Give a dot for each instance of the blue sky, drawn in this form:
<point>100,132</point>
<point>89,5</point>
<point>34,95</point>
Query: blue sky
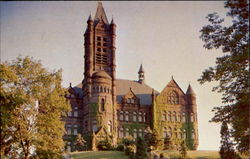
<point>162,35</point>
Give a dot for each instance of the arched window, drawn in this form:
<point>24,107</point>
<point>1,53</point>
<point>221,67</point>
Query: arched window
<point>104,89</point>
<point>179,117</point>
<point>140,117</point>
<point>126,116</point>
<point>184,117</point>
<point>134,116</point>
<point>179,134</point>
<point>169,116</point>
<point>174,117</point>
<point>144,117</point>
<point>140,132</point>
<point>135,133</point>
<point>184,134</point>
<point>173,98</point>
<point>121,115</point>
<point>127,132</point>
<point>110,126</point>
<point>121,135</point>
<point>164,116</point>
<point>191,117</point>
<point>102,104</point>
<point>169,131</point>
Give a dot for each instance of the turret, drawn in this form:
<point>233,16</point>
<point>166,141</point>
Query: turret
<point>191,98</point>
<point>141,75</point>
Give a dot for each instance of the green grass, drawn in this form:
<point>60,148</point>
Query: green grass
<point>98,155</point>
<point>201,154</point>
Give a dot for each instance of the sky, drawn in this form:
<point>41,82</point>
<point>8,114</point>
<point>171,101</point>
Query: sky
<point>161,35</point>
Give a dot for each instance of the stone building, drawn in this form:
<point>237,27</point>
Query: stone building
<point>104,107</point>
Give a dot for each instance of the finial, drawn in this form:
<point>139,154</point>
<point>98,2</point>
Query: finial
<point>70,84</point>
<point>172,77</point>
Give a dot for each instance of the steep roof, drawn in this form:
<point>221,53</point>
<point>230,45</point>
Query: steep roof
<point>173,83</point>
<point>141,69</point>
<point>190,90</point>
<point>141,90</point>
<point>100,14</point>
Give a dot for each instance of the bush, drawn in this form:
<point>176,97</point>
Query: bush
<point>120,147</point>
<point>104,145</point>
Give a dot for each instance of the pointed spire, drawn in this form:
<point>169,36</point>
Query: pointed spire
<point>190,90</point>
<point>141,70</point>
<point>112,21</point>
<point>90,18</point>
<point>100,14</point>
<point>141,74</point>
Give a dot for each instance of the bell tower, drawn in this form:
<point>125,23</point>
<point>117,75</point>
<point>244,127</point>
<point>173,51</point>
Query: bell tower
<point>99,75</point>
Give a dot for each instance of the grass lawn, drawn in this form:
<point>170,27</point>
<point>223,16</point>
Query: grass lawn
<point>98,155</point>
<point>201,154</point>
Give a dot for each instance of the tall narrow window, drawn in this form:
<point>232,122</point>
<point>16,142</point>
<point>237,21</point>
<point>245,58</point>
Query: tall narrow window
<point>103,104</point>
<point>164,116</point>
<point>165,132</point>
<point>169,116</point>
<point>184,134</point>
<point>140,117</point>
<point>121,134</point>
<point>121,115</point>
<point>135,133</point>
<point>94,125</point>
<point>134,116</point>
<point>126,116</point>
<point>110,126</point>
<point>184,117</point>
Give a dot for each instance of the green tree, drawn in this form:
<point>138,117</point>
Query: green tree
<point>226,149</point>
<point>31,110</point>
<point>183,150</point>
<point>80,143</point>
<point>140,149</point>
<point>153,139</point>
<point>232,69</point>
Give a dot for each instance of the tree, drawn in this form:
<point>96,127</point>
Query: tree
<point>141,150</point>
<point>32,104</point>
<point>80,143</point>
<point>226,149</point>
<point>183,150</point>
<point>167,142</point>
<point>231,70</point>
<point>152,139</point>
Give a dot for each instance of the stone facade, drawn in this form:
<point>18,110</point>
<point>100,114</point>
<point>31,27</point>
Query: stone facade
<point>106,107</point>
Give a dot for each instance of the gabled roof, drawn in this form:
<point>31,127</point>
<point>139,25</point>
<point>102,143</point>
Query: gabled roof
<point>173,83</point>
<point>100,14</point>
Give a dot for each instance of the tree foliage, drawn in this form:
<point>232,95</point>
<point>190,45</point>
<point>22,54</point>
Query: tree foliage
<point>141,150</point>
<point>32,104</point>
<point>232,69</point>
<point>226,149</point>
<point>153,139</point>
<point>80,143</point>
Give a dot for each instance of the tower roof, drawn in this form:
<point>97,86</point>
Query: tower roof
<point>190,90</point>
<point>141,69</point>
<point>100,14</point>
